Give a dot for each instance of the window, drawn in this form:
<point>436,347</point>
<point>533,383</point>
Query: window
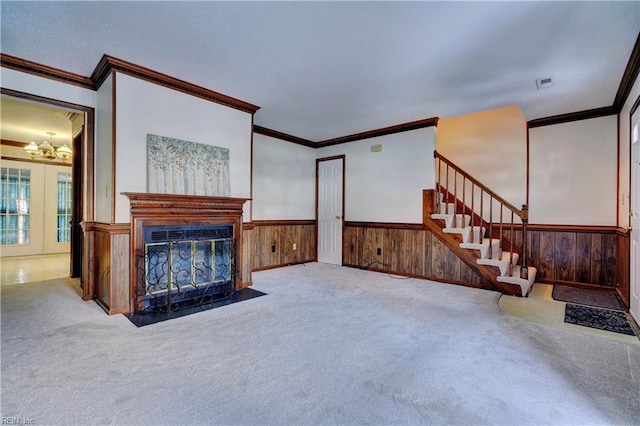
<point>15,202</point>
<point>64,207</point>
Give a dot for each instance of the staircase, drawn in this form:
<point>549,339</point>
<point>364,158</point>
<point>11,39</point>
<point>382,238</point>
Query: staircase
<point>463,212</point>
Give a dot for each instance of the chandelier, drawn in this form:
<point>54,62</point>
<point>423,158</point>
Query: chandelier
<point>47,151</point>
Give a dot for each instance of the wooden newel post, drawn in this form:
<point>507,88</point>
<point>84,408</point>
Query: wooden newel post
<point>429,201</point>
<point>524,270</point>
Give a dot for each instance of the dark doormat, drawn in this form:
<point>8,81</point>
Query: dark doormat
<point>598,298</point>
<point>142,319</point>
<point>602,319</point>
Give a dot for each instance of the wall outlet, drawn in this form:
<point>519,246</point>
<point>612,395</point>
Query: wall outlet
<point>273,248</point>
<point>294,246</point>
<point>379,251</point>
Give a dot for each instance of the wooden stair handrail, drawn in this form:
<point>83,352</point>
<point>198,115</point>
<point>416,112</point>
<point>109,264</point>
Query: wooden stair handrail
<point>484,187</point>
<point>523,213</point>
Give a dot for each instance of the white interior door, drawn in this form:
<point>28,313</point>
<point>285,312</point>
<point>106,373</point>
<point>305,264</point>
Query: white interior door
<point>634,293</point>
<point>330,210</point>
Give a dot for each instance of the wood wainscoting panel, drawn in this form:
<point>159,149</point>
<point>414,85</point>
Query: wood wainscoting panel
<point>308,243</point>
<point>624,267</point>
<point>108,265</point>
<point>597,275</point>
<point>574,255</point>
<point>393,249</point>
<point>102,260</point>
<point>437,259</point>
<point>609,256</point>
<point>247,254</point>
<point>450,265</point>
<point>565,255</point>
<point>273,242</point>
<point>546,254</point>
<point>583,257</point>
<point>120,281</point>
<point>414,262</point>
<point>406,249</point>
<point>352,246</point>
<point>577,255</point>
<point>427,253</point>
<point>371,242</point>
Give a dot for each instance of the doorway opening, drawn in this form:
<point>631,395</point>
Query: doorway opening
<point>44,200</point>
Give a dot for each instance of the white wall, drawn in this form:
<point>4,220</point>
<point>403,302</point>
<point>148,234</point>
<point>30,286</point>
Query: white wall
<point>34,85</point>
<point>104,153</point>
<point>387,186</point>
<point>625,152</point>
<point>143,108</point>
<point>283,180</point>
<point>492,147</point>
<point>47,88</point>
<point>573,173</point>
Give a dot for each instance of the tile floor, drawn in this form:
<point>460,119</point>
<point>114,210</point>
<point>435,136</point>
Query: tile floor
<point>541,308</point>
<point>24,269</point>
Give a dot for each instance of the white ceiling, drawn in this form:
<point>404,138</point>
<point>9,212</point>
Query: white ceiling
<point>26,122</point>
<point>326,69</point>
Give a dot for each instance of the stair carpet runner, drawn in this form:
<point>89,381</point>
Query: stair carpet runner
<point>455,223</point>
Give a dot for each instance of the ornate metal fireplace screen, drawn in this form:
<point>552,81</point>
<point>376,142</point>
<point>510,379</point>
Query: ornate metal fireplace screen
<point>185,266</point>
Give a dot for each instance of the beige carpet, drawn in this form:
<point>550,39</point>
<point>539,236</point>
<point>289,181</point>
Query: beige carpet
<point>327,345</point>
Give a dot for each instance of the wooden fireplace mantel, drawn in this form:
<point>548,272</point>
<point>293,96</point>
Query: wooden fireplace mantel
<point>143,203</point>
<point>151,209</point>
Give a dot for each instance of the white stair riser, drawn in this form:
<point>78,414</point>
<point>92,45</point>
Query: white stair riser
<point>484,248</point>
<point>490,252</point>
<point>502,262</point>
<point>525,284</point>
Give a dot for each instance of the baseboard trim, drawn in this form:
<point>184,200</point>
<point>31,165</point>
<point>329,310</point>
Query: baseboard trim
<point>388,225</point>
<point>283,222</point>
<point>420,277</point>
<point>577,284</point>
<point>282,265</point>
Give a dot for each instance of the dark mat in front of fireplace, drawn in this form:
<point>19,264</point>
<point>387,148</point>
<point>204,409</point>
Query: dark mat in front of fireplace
<point>147,318</point>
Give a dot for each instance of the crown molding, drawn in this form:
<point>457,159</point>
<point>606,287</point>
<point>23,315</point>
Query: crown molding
<point>109,64</point>
<point>624,89</point>
<point>413,125</point>
<point>282,136</point>
<point>629,77</point>
<point>573,116</point>
<point>30,67</point>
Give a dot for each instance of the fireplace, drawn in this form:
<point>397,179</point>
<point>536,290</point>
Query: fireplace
<point>185,250</point>
<point>185,266</point>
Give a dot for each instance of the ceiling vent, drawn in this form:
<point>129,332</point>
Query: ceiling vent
<point>545,83</point>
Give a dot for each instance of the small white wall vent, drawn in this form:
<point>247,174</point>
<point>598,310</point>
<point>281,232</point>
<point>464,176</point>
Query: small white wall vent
<point>545,83</point>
